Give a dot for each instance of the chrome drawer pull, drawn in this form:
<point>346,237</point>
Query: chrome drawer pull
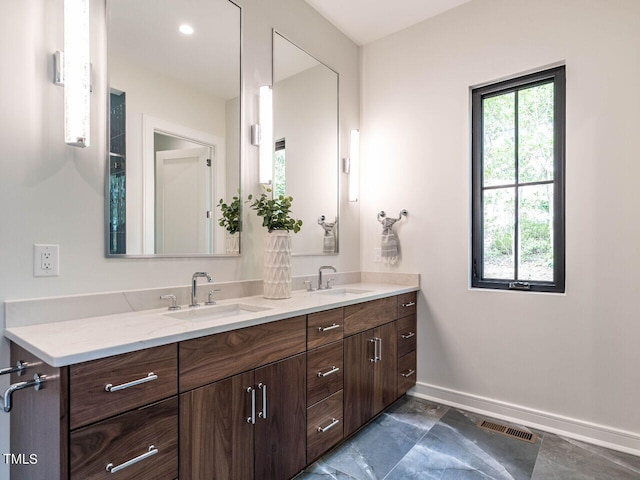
<point>331,327</point>
<point>111,388</point>
<point>408,373</point>
<point>252,418</point>
<point>334,369</point>
<point>409,335</point>
<point>410,304</point>
<point>113,469</point>
<point>334,422</point>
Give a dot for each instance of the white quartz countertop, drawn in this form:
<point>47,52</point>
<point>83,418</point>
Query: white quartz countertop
<point>73,341</point>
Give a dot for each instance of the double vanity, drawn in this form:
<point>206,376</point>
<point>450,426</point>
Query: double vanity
<point>247,388</point>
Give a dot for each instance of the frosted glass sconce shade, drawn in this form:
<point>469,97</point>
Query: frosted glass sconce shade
<point>76,73</point>
<point>354,166</point>
<point>265,137</point>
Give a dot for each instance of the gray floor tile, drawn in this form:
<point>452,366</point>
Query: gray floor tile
<point>456,449</point>
<point>417,439</point>
<point>566,459</point>
<point>377,448</point>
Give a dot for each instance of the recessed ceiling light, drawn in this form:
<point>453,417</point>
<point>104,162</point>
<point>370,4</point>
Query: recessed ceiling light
<point>186,29</point>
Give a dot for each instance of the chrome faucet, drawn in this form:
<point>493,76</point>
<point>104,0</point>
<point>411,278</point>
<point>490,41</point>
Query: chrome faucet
<point>194,301</point>
<point>324,267</point>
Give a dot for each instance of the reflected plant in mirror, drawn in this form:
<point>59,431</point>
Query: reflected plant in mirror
<point>305,167</point>
<point>174,126</point>
<point>230,221</point>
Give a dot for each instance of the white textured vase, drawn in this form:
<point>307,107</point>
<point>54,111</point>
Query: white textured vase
<point>232,243</point>
<point>277,265</point>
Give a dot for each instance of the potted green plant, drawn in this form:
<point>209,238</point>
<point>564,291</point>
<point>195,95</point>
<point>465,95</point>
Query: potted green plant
<point>276,218</point>
<point>230,221</point>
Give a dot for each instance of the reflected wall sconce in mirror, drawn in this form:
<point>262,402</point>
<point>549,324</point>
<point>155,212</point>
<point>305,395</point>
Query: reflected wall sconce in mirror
<point>262,135</point>
<point>351,166</point>
<point>73,72</point>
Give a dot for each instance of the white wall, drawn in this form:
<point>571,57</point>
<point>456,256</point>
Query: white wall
<point>545,358</point>
<point>51,193</point>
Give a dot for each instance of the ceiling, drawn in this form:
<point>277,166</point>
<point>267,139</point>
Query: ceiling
<point>145,33</point>
<point>365,21</point>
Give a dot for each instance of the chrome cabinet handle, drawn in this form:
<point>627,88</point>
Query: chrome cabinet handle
<point>331,327</point>
<point>409,335</point>
<point>252,418</point>
<point>410,304</point>
<point>408,373</point>
<point>263,413</point>
<point>114,388</point>
<point>111,468</point>
<point>334,422</point>
<point>375,350</point>
<point>334,369</point>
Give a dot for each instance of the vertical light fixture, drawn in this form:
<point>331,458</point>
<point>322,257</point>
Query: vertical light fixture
<point>353,168</point>
<point>76,73</point>
<point>265,140</point>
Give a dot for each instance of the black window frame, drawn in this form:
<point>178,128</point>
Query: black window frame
<point>558,76</point>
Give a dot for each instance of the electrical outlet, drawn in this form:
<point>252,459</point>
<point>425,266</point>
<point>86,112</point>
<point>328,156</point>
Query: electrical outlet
<point>377,255</point>
<point>46,260</point>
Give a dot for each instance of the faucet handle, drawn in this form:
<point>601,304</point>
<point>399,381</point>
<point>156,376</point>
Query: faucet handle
<point>330,283</point>
<point>174,302</point>
<point>308,284</point>
<point>210,300</point>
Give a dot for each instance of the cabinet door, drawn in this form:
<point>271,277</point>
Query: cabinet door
<point>216,440</point>
<point>385,369</point>
<point>281,426</point>
<point>358,380</point>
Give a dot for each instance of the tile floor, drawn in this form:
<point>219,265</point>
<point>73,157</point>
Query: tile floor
<point>418,439</point>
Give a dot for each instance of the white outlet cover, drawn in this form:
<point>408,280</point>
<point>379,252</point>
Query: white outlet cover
<point>46,260</point>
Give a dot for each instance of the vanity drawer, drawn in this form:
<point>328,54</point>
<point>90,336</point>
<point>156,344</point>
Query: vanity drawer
<point>324,426</point>
<point>324,372</point>
<point>363,316</point>
<point>406,335</point>
<point>90,400</point>
<point>324,327</point>
<point>406,372</point>
<point>407,304</point>
<point>208,359</point>
<point>128,436</point>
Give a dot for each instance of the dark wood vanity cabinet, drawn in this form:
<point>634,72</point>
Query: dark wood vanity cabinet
<point>251,425</point>
<point>260,402</point>
<point>370,374</point>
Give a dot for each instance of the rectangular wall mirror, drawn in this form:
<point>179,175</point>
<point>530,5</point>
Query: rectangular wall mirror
<point>305,129</point>
<point>174,127</point>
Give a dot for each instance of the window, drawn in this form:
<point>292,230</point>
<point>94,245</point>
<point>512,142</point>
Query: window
<point>518,183</point>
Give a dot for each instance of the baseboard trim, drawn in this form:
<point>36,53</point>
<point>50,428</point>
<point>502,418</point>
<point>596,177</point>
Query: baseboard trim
<point>613,438</point>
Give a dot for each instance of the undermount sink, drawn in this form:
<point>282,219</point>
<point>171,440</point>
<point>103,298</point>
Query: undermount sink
<point>216,311</point>
<point>343,291</point>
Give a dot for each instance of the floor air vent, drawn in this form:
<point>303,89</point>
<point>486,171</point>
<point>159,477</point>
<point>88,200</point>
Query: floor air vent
<point>508,431</point>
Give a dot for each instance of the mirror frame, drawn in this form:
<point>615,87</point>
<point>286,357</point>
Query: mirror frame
<point>242,139</point>
<point>338,161</point>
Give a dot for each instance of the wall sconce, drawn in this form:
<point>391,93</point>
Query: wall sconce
<point>73,71</point>
<point>351,166</point>
<point>262,135</point>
